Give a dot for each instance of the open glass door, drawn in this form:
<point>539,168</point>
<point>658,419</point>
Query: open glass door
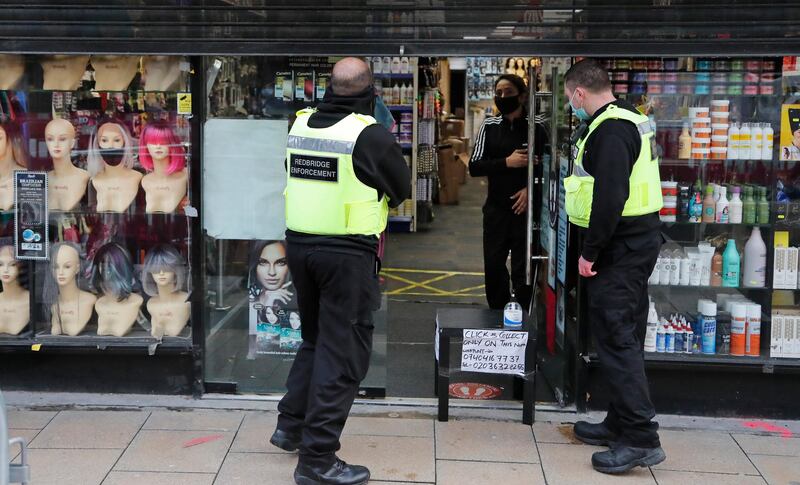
<point>548,229</point>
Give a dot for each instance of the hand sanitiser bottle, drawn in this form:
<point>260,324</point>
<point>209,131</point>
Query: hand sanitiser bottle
<point>512,315</point>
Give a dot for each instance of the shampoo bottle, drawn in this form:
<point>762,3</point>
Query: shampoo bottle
<point>730,265</point>
<point>762,206</point>
<point>738,328</point>
<point>709,340</point>
<point>652,329</point>
<point>733,142</point>
<point>716,269</point>
<point>661,336</point>
<point>685,143</point>
<point>709,205</point>
<point>757,143</point>
<point>748,206</point>
<point>735,207</point>
<point>754,272</point>
<point>766,149</point>
<point>722,215</point>
<point>752,345</point>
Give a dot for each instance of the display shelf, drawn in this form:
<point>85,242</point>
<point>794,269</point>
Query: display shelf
<point>703,287</point>
<point>397,75</point>
<point>682,161</point>
<point>400,107</point>
<point>762,363</point>
<point>714,224</point>
<point>406,146</point>
<point>400,218</point>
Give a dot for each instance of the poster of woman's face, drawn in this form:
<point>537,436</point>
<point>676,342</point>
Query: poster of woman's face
<point>790,132</point>
<point>274,318</point>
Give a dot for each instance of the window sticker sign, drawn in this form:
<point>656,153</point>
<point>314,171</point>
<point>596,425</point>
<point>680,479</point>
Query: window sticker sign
<point>494,351</point>
<point>31,229</point>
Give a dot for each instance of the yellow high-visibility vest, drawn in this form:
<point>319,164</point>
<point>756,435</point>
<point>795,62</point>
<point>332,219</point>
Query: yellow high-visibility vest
<point>323,194</point>
<point>645,181</point>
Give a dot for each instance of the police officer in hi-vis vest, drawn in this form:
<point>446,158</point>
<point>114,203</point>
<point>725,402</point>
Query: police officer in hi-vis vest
<point>344,171</point>
<point>614,194</point>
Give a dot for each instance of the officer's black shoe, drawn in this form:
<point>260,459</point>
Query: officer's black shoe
<point>594,433</point>
<point>285,441</point>
<point>620,458</point>
<point>340,473</point>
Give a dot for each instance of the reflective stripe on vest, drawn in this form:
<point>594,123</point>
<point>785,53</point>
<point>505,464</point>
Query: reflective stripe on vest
<point>645,181</point>
<point>323,194</point>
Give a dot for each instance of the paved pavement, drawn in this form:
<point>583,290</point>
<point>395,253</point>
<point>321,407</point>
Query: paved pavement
<point>194,444</point>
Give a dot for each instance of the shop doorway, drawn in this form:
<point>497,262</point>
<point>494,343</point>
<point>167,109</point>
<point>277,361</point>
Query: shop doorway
<point>439,263</point>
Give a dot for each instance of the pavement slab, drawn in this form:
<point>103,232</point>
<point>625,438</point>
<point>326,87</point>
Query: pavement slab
<point>778,470</point>
<point>198,419</point>
<point>483,440</point>
<point>25,419</point>
<point>90,429</point>
<point>166,451</point>
<point>720,453</point>
<point>572,465</point>
<point>157,478</point>
<point>392,458</point>
<point>669,477</point>
<point>453,472</point>
<point>70,466</point>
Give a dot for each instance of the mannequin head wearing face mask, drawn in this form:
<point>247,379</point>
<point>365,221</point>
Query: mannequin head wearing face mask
<point>110,145</point>
<point>587,88</point>
<point>510,95</point>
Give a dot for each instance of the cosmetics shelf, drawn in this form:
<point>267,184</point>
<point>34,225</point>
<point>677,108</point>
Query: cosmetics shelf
<point>766,364</point>
<point>693,95</point>
<point>691,287</point>
<point>684,161</point>
<point>148,345</point>
<point>396,75</point>
<point>711,224</point>
<point>400,107</point>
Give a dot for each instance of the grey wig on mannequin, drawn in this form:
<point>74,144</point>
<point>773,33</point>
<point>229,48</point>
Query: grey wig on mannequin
<point>163,257</point>
<point>50,290</point>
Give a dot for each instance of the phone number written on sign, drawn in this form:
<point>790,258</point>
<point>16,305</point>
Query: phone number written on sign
<point>494,351</point>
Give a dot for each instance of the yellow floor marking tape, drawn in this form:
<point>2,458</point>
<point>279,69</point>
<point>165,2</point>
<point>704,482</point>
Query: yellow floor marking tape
<point>411,285</point>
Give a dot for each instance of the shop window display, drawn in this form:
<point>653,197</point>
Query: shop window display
<point>107,132</point>
<point>718,291</point>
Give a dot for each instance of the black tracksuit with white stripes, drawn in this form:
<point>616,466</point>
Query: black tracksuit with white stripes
<point>503,231</point>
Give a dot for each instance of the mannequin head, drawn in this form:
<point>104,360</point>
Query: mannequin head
<point>11,144</point>
<point>269,268</point>
<point>114,71</point>
<point>110,145</point>
<point>159,142</point>
<point>164,268</point>
<point>10,268</point>
<point>64,271</point>
<point>12,67</point>
<point>63,72</point>
<point>112,271</point>
<point>59,135</point>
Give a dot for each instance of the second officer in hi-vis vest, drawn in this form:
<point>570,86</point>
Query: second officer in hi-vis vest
<point>344,171</point>
<point>614,194</point>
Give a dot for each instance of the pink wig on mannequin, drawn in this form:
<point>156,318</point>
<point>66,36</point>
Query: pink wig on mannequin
<point>160,133</point>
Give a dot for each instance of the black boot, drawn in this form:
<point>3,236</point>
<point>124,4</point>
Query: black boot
<point>594,434</point>
<point>621,458</point>
<point>339,473</point>
<point>285,441</point>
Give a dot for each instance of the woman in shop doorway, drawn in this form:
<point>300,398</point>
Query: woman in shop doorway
<point>501,155</point>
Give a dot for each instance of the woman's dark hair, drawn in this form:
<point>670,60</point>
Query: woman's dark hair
<point>255,256</point>
<point>517,81</point>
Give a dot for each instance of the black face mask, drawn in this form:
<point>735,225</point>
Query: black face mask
<point>507,104</point>
<point>112,156</point>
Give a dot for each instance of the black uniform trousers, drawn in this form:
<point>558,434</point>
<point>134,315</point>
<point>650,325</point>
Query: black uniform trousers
<point>618,307</point>
<point>337,291</point>
<point>504,231</point>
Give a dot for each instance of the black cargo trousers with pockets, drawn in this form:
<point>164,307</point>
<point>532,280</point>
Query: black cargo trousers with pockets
<point>618,307</point>
<point>337,291</point>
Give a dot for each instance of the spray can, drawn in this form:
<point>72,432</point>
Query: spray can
<point>752,345</point>
<point>669,340</point>
<point>689,337</point>
<point>661,336</point>
<point>679,335</point>
<point>709,327</point>
<point>738,328</point>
